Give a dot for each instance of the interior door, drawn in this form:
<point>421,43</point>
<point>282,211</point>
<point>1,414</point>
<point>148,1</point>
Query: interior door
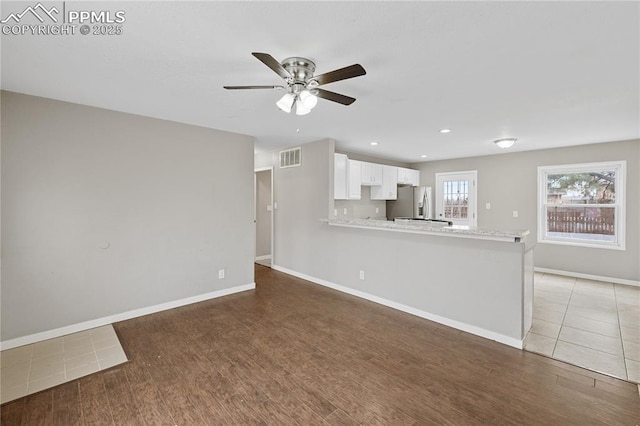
<point>456,195</point>
<point>263,218</point>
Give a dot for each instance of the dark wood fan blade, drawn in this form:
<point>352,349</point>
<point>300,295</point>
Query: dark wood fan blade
<point>272,63</point>
<point>341,74</point>
<point>335,97</point>
<point>252,87</point>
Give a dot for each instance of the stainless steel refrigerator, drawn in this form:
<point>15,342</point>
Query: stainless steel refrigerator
<point>413,202</point>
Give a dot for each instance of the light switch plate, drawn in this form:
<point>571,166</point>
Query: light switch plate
<point>487,206</point>
<point>515,213</point>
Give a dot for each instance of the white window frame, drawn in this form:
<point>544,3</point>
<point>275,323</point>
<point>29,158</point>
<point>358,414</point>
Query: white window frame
<point>619,205</point>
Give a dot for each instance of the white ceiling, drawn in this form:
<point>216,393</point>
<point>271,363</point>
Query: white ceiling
<point>549,73</point>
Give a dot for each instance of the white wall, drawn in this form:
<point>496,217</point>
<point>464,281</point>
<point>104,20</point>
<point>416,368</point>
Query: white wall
<point>509,182</point>
<point>105,212</point>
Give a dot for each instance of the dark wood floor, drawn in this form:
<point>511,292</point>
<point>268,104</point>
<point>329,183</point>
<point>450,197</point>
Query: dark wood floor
<point>291,352</point>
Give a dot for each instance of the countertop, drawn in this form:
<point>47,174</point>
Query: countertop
<point>506,235</point>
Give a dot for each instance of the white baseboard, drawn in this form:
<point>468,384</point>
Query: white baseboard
<point>588,276</point>
<point>263,257</point>
<point>487,334</point>
<point>87,325</point>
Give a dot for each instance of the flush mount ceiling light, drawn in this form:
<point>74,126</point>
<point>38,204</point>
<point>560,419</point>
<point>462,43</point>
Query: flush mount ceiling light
<point>373,143</point>
<point>445,130</point>
<point>423,156</point>
<point>505,143</point>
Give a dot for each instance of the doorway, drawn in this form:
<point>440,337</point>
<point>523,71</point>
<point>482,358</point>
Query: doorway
<point>263,216</point>
<point>456,195</point>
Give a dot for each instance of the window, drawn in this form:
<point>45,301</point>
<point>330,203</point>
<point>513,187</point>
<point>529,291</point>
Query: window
<point>456,197</point>
<point>582,204</point>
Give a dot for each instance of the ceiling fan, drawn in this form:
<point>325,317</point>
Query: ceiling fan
<point>302,86</point>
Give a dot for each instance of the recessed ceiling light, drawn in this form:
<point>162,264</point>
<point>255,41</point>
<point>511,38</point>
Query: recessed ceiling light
<point>506,142</point>
<point>423,156</point>
<point>445,130</point>
<point>373,143</point>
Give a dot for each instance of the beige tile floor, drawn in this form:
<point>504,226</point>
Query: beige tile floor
<point>31,368</point>
<point>591,324</point>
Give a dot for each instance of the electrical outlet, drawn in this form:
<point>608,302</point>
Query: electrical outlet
<point>344,211</point>
<point>335,212</point>
<point>377,210</point>
<point>220,274</point>
<point>362,275</point>
<point>515,213</point>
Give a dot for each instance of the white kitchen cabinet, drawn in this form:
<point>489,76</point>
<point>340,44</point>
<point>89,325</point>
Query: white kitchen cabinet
<point>354,190</point>
<point>346,178</point>
<point>340,177</point>
<point>414,177</point>
<point>389,188</point>
<point>371,174</point>
<point>408,177</point>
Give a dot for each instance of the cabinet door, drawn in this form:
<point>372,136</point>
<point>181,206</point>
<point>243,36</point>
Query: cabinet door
<point>340,177</point>
<point>376,174</point>
<point>355,171</point>
<point>389,188</point>
<point>402,175</point>
<point>414,177</point>
<point>371,174</point>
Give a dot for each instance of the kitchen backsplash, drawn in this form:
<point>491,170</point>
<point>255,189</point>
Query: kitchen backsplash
<point>361,209</point>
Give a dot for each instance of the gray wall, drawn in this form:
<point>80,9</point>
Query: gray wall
<point>263,215</point>
<point>403,268</point>
<point>304,197</point>
<point>509,182</point>
<point>105,212</point>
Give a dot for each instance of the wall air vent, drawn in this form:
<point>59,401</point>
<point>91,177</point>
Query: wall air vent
<point>290,158</point>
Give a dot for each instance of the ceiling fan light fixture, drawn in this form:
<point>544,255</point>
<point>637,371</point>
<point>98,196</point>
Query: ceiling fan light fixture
<point>308,99</point>
<point>301,109</point>
<point>286,102</point>
<point>505,143</point>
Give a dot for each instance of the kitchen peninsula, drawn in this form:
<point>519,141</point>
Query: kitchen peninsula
<point>473,279</point>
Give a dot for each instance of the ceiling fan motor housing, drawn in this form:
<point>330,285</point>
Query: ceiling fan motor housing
<point>301,69</point>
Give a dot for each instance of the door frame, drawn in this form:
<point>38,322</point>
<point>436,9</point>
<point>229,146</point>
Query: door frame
<point>473,191</point>
<point>255,211</point>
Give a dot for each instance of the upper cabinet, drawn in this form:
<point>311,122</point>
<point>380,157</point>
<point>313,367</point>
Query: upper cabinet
<point>340,162</point>
<point>351,175</point>
<point>389,188</point>
<point>346,178</point>
<point>371,174</point>
<point>354,186</point>
<point>408,177</point>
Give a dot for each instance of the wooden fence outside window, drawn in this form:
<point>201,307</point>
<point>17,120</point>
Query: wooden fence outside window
<point>581,220</point>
